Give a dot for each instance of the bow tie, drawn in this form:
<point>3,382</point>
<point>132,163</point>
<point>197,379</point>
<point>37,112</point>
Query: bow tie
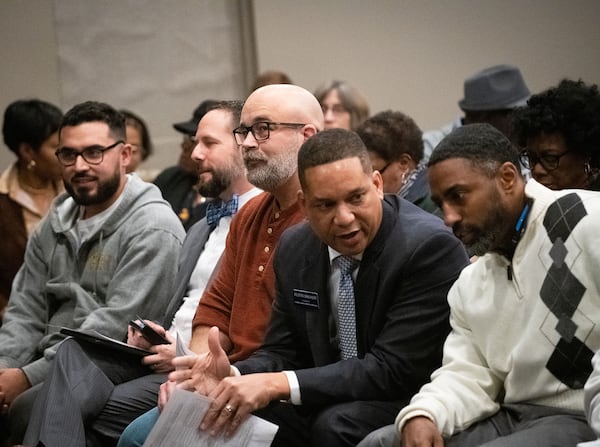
<point>217,209</point>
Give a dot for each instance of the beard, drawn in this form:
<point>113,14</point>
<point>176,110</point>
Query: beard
<point>105,190</point>
<point>274,171</point>
<point>220,178</point>
<point>490,235</point>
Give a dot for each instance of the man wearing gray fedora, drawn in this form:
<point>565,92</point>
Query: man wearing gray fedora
<point>490,96</point>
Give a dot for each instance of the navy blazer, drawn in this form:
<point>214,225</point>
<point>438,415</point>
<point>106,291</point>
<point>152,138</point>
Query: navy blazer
<point>402,315</point>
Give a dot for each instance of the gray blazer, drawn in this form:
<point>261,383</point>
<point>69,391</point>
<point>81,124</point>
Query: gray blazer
<point>193,245</point>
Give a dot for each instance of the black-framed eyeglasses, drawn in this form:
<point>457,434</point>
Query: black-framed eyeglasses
<point>382,170</point>
<point>92,154</point>
<point>548,162</point>
<point>260,130</point>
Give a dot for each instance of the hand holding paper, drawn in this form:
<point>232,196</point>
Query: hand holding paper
<point>236,397</point>
<point>177,425</point>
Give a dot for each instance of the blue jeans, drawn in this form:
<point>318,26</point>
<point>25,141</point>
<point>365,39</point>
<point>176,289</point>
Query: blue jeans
<point>136,433</point>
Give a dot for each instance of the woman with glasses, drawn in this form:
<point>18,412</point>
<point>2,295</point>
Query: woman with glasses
<point>344,107</point>
<point>29,185</point>
<point>560,132</point>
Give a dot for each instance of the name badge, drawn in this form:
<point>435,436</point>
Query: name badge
<point>306,298</point>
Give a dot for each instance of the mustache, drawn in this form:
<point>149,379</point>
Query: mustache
<point>202,170</point>
<point>254,156</point>
<point>82,175</point>
<point>460,229</point>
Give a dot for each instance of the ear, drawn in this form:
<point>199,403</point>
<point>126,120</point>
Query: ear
<point>302,202</point>
<point>26,152</point>
<point>308,131</point>
<point>126,152</point>
<point>405,161</point>
<point>378,183</point>
<point>509,176</point>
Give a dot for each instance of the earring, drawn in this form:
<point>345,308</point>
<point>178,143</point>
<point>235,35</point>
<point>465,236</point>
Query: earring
<point>587,169</point>
<point>403,180</point>
<point>31,165</point>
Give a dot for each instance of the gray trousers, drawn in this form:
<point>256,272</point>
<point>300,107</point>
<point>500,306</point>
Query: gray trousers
<point>89,397</point>
<point>516,425</point>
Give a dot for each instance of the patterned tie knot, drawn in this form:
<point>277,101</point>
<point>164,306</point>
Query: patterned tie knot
<point>347,264</point>
<point>217,209</point>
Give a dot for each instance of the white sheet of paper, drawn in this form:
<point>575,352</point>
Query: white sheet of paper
<point>178,425</point>
<point>595,443</point>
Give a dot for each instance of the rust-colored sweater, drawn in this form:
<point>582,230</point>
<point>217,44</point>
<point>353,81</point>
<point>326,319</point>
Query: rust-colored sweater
<point>238,299</point>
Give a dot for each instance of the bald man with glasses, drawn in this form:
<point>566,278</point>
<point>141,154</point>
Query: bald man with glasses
<point>275,121</point>
<point>107,250</point>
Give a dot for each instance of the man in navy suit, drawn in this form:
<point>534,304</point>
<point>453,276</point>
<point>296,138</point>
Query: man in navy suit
<point>303,378</point>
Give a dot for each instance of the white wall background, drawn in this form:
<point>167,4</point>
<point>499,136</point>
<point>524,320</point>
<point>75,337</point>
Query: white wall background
<point>161,58</point>
<point>413,55</point>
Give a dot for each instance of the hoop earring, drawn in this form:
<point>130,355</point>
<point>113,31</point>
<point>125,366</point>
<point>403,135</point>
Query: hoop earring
<point>31,165</point>
<point>587,169</point>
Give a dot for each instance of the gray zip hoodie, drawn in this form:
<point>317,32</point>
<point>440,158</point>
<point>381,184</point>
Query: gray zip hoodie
<point>127,267</point>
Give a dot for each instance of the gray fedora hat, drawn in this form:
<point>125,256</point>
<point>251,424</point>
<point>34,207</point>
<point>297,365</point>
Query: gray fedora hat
<point>495,88</point>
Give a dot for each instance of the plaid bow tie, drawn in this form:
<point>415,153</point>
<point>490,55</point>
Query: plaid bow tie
<point>217,209</point>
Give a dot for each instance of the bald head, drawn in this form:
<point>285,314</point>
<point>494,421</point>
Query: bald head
<point>276,119</point>
<point>283,103</point>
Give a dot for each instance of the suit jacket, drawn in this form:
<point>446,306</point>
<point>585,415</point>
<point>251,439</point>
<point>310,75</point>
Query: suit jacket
<point>191,249</point>
<point>401,310</point>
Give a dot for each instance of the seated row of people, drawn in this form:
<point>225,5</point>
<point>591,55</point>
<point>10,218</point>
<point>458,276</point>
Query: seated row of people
<point>560,120</point>
<point>345,217</point>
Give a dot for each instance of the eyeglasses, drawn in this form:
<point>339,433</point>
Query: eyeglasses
<point>548,162</point>
<point>260,131</point>
<point>382,170</point>
<point>91,154</point>
<point>336,109</point>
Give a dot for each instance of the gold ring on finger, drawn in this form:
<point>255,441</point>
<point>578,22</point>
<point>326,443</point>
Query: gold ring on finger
<point>228,409</point>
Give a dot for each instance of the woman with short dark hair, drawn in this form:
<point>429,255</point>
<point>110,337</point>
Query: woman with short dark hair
<point>29,185</point>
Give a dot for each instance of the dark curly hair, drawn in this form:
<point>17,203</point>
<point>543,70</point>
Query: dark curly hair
<point>481,143</point>
<point>390,134</point>
<point>571,109</point>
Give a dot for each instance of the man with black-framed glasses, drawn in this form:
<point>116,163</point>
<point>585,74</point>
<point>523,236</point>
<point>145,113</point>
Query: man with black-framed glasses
<point>275,121</point>
<point>107,250</point>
